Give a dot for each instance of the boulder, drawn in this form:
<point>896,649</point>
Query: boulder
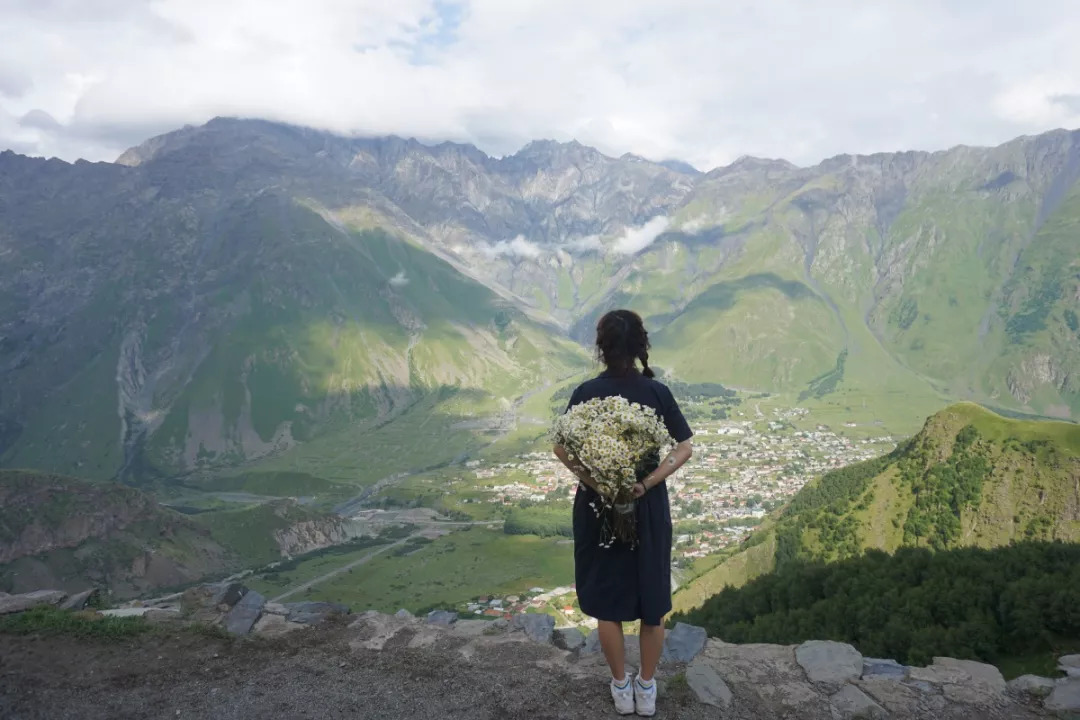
<point>245,613</point>
<point>592,643</point>
<point>850,703</point>
<point>1031,685</point>
<point>537,626</point>
<point>708,686</point>
<point>78,601</point>
<point>25,601</point>
<point>228,594</point>
<point>274,608</point>
<point>274,625</point>
<point>569,638</point>
<point>313,613</point>
<point>877,667</point>
<point>825,661</point>
<point>403,613</point>
<point>1070,665</point>
<point>683,643</point>
<point>442,617</point>
<point>1064,699</point>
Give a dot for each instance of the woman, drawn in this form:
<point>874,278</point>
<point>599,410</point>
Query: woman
<point>622,583</point>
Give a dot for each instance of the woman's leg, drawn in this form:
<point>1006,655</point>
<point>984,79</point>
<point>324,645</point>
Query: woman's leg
<point>611,640</point>
<point>652,644</point>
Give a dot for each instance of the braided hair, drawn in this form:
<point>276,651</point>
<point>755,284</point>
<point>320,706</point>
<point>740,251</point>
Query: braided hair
<point>621,339</point>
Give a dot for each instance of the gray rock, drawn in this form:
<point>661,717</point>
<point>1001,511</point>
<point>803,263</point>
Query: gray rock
<point>708,686</point>
<point>851,703</point>
<point>1031,685</point>
<point>569,638</point>
<point>469,629</point>
<point>1070,665</point>
<point>78,601</point>
<point>500,624</point>
<point>537,626</point>
<point>245,613</point>
<point>25,601</point>
<point>1065,697</point>
<point>825,661</point>
<point>592,643</point>
<point>404,614</point>
<point>683,643</point>
<point>442,617</point>
<point>228,594</point>
<point>877,667</point>
<point>313,613</point>
<point>273,608</point>
<point>274,625</point>
<point>977,673</point>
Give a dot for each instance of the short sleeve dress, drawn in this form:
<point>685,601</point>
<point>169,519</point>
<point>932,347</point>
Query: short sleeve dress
<point>622,583</point>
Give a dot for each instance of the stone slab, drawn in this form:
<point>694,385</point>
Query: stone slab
<point>708,686</point>
<point>825,661</point>
<point>78,601</point>
<point>683,643</point>
<point>878,667</point>
<point>1031,685</point>
<point>1065,697</point>
<point>25,601</point>
<point>537,626</point>
<point>245,613</point>
<point>851,703</point>
<point>442,617</point>
<point>569,638</point>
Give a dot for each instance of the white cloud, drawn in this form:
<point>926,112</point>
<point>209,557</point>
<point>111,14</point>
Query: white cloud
<point>635,240</point>
<point>519,248</point>
<point>399,280</point>
<point>694,79</point>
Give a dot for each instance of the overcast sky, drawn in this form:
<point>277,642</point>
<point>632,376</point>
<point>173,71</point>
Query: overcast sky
<point>702,80</point>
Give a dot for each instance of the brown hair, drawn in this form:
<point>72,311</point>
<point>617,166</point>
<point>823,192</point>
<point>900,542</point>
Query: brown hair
<point>621,339</point>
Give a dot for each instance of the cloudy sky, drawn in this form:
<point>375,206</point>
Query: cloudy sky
<point>702,80</point>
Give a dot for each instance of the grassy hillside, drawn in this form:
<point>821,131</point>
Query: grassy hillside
<point>969,478</point>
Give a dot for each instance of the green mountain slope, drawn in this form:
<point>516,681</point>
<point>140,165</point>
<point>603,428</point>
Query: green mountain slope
<point>970,478</point>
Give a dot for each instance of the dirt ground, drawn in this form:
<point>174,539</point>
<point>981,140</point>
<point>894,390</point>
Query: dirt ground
<point>314,675</point>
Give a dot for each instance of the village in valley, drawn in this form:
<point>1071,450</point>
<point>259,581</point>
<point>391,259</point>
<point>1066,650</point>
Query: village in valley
<point>741,469</point>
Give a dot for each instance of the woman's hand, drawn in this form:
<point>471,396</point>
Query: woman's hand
<point>639,489</point>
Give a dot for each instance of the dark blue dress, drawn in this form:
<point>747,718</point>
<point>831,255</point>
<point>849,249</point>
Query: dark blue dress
<point>621,583</point>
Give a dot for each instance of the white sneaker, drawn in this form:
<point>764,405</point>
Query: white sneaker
<point>645,697</point>
<point>623,697</point>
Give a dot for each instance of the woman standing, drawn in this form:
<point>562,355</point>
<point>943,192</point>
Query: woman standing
<point>621,583</point>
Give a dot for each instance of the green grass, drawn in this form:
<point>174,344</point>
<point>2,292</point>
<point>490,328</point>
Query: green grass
<point>453,569</point>
<point>274,581</point>
<point>47,620</point>
<point>250,531</point>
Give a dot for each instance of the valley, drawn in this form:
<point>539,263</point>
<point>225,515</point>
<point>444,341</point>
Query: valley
<point>328,365</point>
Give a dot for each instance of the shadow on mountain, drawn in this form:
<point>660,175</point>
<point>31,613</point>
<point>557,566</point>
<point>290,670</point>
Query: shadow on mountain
<point>990,605</point>
<point>724,295</point>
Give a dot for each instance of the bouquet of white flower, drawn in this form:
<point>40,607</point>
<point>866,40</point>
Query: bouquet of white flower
<point>616,441</point>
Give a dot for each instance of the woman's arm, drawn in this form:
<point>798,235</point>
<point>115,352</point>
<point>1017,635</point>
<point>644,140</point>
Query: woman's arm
<point>675,459</point>
<point>574,466</point>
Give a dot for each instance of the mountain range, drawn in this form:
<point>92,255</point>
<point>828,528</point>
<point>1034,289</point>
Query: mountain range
<point>245,291</point>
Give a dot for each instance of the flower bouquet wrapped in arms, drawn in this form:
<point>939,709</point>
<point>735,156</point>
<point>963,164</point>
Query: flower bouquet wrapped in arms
<point>611,444</point>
